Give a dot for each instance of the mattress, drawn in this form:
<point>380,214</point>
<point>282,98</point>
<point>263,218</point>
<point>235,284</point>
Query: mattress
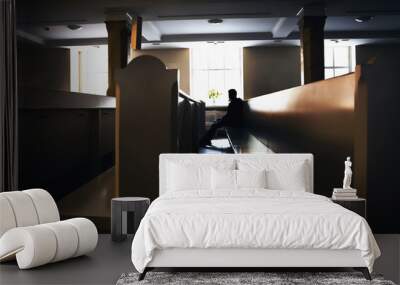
<point>250,219</point>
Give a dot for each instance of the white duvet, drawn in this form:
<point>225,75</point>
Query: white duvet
<point>250,219</point>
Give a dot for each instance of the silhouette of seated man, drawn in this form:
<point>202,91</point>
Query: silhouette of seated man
<point>233,118</point>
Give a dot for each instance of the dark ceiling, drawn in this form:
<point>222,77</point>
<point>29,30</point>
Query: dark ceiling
<point>186,20</point>
<point>93,11</point>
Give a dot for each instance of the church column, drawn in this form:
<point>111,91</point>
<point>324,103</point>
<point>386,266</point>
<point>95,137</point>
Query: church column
<point>118,49</point>
<point>311,25</point>
<point>136,33</point>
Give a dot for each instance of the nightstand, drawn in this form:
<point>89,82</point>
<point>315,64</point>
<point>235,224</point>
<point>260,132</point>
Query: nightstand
<point>358,205</point>
<point>119,215</point>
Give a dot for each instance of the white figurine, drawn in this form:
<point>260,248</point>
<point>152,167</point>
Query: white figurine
<point>347,174</point>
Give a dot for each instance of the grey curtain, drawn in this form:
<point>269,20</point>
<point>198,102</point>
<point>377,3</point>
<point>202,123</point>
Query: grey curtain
<point>8,98</point>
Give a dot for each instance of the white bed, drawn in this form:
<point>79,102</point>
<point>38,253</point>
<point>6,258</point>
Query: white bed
<point>280,225</point>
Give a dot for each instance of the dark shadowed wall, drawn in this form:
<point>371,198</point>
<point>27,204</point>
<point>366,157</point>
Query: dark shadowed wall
<point>383,152</point>
<point>381,65</point>
<point>379,53</point>
<point>43,67</point>
<point>270,69</point>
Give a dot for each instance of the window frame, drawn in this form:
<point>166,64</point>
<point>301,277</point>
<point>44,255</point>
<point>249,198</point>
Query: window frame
<point>350,67</point>
<point>193,69</point>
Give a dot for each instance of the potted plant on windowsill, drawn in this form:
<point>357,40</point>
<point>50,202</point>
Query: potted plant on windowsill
<point>213,94</point>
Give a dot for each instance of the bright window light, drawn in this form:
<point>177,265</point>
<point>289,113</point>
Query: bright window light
<point>339,60</point>
<point>216,67</point>
<point>89,69</point>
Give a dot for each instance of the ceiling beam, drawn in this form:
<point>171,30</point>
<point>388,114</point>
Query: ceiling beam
<point>365,35</point>
<point>30,37</point>
<point>78,42</point>
<point>213,15</point>
<point>284,26</point>
<point>216,37</point>
<point>150,31</point>
<point>354,35</point>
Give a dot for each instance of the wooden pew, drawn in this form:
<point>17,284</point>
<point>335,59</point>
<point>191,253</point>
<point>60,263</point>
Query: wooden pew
<point>242,141</point>
<point>316,118</point>
<point>152,117</point>
<point>351,115</point>
<point>191,122</point>
<point>65,139</point>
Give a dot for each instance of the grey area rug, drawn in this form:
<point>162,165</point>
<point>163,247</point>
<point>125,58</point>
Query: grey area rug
<point>269,278</point>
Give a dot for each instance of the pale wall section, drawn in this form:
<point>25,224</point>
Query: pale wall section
<point>89,69</point>
<point>178,58</point>
<point>270,69</point>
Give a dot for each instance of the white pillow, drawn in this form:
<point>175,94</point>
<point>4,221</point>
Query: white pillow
<point>183,178</point>
<point>292,175</point>
<point>237,179</point>
<point>223,179</point>
<point>251,178</point>
<point>292,179</point>
<point>193,174</point>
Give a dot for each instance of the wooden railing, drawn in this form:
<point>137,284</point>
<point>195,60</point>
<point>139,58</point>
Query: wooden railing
<point>184,95</point>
